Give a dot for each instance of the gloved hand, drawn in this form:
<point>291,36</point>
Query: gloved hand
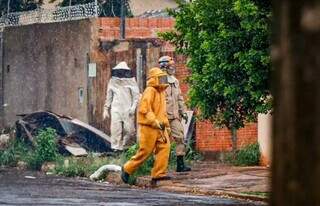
<point>106,113</point>
<point>185,117</point>
<point>132,111</point>
<point>159,125</point>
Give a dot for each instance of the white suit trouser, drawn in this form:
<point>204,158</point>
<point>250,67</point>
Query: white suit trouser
<point>122,130</point>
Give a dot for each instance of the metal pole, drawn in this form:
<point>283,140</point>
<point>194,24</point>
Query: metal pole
<point>123,21</point>
<point>70,1</point>
<point>96,7</point>
<point>2,104</point>
<point>8,10</point>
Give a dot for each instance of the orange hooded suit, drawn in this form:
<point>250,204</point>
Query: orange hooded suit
<point>152,119</point>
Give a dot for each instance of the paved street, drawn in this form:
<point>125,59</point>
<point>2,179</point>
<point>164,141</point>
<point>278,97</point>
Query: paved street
<point>30,188</point>
<point>212,178</point>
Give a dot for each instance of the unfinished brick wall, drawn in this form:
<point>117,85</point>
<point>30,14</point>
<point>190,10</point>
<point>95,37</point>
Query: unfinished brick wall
<point>109,28</point>
<point>208,138</point>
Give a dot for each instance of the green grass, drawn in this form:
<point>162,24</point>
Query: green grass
<point>83,166</point>
<point>16,151</point>
<point>45,150</point>
<point>247,156</point>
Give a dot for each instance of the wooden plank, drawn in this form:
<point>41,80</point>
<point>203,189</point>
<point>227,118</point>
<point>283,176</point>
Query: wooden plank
<point>76,150</point>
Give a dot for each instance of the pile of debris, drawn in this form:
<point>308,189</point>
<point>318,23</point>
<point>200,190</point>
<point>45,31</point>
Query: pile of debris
<point>74,137</point>
<point>4,141</point>
<point>6,135</point>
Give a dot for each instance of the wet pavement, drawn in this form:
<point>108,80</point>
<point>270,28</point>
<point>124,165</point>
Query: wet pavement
<point>229,178</point>
<point>30,188</point>
<point>212,178</point>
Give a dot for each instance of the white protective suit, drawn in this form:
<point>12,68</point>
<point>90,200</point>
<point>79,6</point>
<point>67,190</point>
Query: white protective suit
<point>122,98</point>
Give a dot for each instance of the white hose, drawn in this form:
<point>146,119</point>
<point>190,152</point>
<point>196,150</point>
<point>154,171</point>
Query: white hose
<point>103,169</point>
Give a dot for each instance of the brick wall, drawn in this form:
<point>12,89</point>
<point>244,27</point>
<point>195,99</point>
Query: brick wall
<point>208,138</point>
<point>109,28</point>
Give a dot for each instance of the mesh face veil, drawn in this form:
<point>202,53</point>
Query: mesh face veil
<point>171,70</point>
<point>163,79</point>
<point>121,73</point>
<point>165,61</point>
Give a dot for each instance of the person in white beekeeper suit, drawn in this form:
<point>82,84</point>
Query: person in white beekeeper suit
<point>121,99</point>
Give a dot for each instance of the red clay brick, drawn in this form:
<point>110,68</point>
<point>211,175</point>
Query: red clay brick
<point>152,23</point>
<point>134,23</point>
<point>144,22</point>
<point>171,23</point>
<point>129,23</point>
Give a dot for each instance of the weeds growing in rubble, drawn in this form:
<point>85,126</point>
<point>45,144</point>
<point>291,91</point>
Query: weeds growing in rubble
<point>83,166</point>
<point>45,149</point>
<point>15,152</point>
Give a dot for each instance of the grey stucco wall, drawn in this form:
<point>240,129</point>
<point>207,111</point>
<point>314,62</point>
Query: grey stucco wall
<point>44,66</point>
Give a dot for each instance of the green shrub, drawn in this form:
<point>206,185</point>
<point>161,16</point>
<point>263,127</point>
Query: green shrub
<point>131,151</point>
<point>228,47</point>
<point>248,156</point>
<point>17,150</point>
<point>192,154</point>
<point>45,148</point>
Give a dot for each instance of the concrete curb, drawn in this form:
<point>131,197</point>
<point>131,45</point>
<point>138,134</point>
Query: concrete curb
<point>199,191</point>
<point>172,186</point>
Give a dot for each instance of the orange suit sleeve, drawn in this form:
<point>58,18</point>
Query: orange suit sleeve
<point>146,105</point>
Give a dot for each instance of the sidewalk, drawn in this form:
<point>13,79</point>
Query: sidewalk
<point>210,178</point>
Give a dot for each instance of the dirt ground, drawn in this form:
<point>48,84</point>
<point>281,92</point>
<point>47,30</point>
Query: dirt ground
<point>32,188</point>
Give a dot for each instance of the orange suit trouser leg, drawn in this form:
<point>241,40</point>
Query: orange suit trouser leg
<point>149,142</point>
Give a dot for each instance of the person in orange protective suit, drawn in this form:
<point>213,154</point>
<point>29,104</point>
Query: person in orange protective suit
<point>153,127</point>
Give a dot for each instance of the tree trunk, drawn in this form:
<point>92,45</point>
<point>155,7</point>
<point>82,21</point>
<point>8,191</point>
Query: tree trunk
<point>234,139</point>
<point>296,137</point>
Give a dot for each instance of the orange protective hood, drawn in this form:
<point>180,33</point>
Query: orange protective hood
<point>153,78</point>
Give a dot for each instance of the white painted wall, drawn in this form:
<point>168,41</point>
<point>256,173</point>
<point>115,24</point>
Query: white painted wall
<point>264,136</point>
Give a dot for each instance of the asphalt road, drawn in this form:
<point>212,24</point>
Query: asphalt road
<point>30,188</point>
